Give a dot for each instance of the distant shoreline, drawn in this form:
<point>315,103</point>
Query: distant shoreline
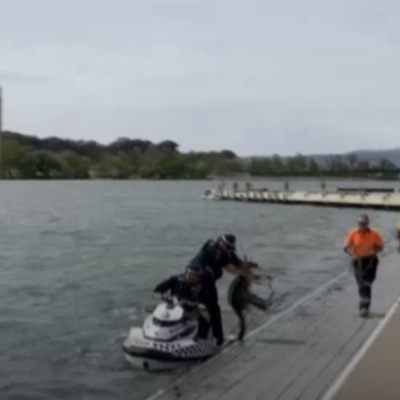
<point>216,179</point>
<point>29,157</point>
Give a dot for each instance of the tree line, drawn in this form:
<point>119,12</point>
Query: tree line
<point>30,157</point>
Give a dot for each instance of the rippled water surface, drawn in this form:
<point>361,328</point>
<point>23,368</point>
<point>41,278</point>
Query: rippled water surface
<point>78,259</point>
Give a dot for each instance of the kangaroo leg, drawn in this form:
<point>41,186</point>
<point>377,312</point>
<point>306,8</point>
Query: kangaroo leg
<point>242,325</point>
<point>257,301</point>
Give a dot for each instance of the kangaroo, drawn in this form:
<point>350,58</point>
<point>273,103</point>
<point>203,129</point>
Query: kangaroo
<point>240,297</point>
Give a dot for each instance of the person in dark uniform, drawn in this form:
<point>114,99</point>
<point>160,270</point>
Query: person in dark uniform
<point>186,288</point>
<point>213,258</point>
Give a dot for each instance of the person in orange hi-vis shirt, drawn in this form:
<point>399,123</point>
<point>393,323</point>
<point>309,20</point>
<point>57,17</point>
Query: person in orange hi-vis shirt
<point>363,244</point>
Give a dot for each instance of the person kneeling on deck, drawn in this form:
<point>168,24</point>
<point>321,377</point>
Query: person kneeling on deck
<point>363,244</point>
<point>186,288</point>
<point>213,257</point>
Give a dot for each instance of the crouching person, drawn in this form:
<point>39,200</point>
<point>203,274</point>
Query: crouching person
<point>186,288</point>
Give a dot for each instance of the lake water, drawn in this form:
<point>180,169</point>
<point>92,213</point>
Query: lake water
<point>79,259</point>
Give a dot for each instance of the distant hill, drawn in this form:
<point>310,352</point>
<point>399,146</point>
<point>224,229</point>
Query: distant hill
<point>392,155</point>
<point>372,156</point>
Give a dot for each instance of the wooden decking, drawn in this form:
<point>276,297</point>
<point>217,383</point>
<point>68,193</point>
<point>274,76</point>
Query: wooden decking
<point>298,354</point>
<point>374,373</point>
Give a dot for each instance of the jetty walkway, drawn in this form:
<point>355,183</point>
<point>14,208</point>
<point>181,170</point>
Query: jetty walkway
<point>373,373</point>
<point>300,353</point>
<point>356,199</point>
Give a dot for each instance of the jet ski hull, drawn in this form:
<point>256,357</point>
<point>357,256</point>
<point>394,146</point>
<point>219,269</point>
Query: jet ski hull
<point>153,355</point>
<point>148,363</point>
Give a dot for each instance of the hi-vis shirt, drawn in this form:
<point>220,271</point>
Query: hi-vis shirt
<point>362,243</point>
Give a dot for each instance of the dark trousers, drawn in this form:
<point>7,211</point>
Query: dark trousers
<point>204,327</point>
<point>365,273</point>
<point>209,297</point>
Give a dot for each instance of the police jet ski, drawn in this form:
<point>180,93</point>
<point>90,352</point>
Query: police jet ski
<point>168,339</point>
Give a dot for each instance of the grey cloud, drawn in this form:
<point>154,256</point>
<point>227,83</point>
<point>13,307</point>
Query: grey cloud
<point>255,76</point>
<point>22,78</point>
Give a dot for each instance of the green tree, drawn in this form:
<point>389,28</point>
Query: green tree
<point>386,165</point>
<point>74,166</point>
<point>278,165</point>
<point>313,167</point>
<point>363,166</point>
<point>261,166</point>
<point>337,167</point>
<point>352,160</point>
<point>46,165</point>
<point>14,159</point>
<point>297,165</point>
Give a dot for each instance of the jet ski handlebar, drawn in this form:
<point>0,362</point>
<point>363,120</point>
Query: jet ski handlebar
<point>185,304</point>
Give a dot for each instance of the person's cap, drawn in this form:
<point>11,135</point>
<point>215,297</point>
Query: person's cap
<point>229,240</point>
<point>363,219</point>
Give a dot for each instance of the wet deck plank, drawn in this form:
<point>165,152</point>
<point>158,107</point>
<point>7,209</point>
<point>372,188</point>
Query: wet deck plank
<point>299,355</point>
<point>374,373</point>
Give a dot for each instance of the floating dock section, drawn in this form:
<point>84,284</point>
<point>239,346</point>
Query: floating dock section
<point>385,200</point>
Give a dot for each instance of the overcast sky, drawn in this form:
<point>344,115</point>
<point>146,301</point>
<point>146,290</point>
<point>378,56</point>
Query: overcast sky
<point>257,77</point>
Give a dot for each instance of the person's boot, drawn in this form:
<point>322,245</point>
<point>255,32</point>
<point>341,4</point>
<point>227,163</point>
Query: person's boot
<point>364,312</point>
